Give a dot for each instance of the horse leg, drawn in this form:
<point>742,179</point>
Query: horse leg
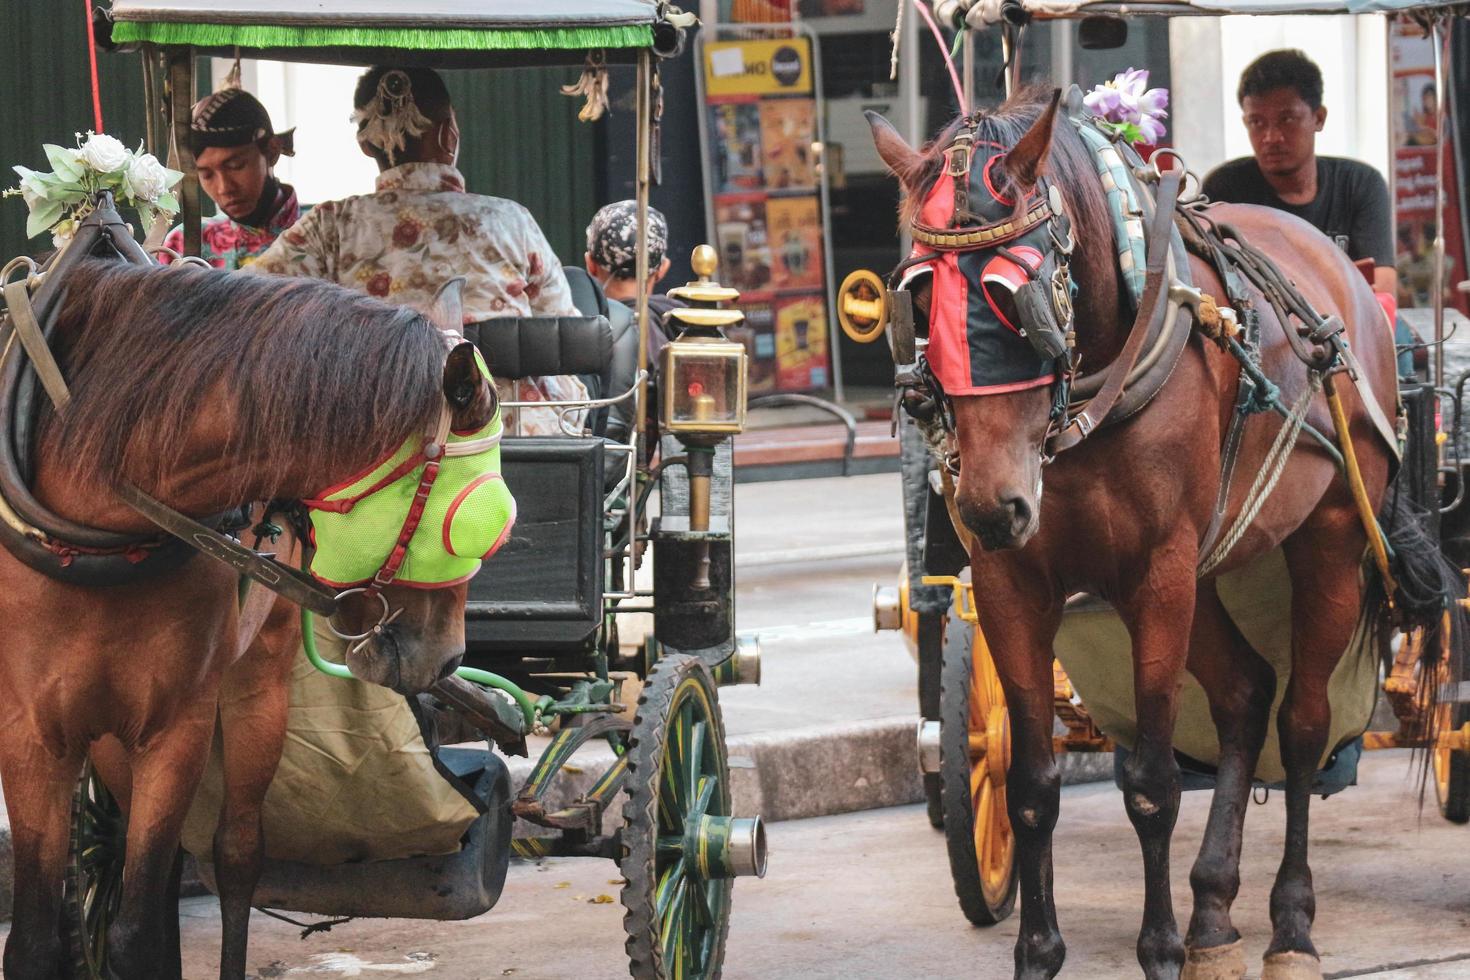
<point>253,703</point>
<point>1240,686</point>
<point>165,774</point>
<point>1020,641</point>
<point>38,793</point>
<point>1158,615</point>
<point>1323,559</point>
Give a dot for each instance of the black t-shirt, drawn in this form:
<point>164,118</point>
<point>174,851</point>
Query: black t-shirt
<point>1352,200</point>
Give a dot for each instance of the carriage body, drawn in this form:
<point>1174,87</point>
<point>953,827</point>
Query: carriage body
<point>963,735</point>
<point>584,558</point>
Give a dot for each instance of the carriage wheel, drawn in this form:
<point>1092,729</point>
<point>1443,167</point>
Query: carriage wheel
<point>1451,765</point>
<point>94,874</point>
<point>974,753</point>
<point>677,899</point>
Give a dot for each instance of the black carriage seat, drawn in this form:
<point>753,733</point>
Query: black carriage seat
<point>542,591</point>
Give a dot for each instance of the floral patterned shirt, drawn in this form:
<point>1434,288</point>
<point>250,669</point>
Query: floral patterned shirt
<point>418,230</point>
<point>227,244</point>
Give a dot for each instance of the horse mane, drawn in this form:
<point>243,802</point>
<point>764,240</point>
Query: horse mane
<point>298,368</point>
<point>1070,167</point>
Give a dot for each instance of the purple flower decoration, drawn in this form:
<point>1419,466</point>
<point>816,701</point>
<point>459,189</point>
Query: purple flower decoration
<point>1127,107</point>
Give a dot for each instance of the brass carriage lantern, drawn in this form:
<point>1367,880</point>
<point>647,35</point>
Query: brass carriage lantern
<point>702,379</point>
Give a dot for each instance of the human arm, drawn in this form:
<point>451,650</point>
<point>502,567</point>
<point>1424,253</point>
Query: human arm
<point>1370,235</point>
<point>308,248</point>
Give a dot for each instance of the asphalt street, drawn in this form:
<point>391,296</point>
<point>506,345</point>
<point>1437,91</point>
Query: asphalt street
<point>868,895</point>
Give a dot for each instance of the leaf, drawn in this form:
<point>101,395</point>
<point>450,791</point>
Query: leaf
<point>172,177</point>
<point>600,900</point>
<point>167,202</point>
<point>43,216</point>
<point>63,161</point>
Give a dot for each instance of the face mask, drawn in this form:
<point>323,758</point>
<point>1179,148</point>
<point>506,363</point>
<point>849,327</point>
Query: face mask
<point>996,322</point>
<point>467,517</point>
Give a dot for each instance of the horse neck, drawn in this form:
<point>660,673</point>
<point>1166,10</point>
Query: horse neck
<point>1101,320</point>
<point>205,479</point>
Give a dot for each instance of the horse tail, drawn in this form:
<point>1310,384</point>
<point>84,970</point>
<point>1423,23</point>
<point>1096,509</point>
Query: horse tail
<point>1427,599</point>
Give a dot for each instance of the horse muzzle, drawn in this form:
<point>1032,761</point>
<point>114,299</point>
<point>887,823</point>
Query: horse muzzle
<point>1004,525</point>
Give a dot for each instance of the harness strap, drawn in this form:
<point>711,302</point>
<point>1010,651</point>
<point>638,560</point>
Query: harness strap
<point>281,579</point>
<point>18,300</point>
<point>1151,311</point>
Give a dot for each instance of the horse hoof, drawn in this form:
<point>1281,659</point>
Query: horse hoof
<point>1215,962</point>
<point>1292,966</point>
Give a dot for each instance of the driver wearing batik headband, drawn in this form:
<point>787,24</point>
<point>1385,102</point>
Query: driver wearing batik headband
<point>235,150</point>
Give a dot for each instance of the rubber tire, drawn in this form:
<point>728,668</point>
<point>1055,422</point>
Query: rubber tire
<point>1452,773</point>
<point>646,746</point>
<point>956,793</point>
<point>934,799</point>
<point>90,800</point>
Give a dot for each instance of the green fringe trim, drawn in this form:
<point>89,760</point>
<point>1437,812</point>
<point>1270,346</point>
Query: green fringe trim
<point>417,39</point>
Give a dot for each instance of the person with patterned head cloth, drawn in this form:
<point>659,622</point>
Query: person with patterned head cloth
<point>235,148</point>
<point>420,228</point>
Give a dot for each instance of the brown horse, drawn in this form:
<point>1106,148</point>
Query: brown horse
<point>204,389</point>
<point>1124,515</point>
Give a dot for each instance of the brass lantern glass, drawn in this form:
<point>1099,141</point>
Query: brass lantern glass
<point>703,381</point>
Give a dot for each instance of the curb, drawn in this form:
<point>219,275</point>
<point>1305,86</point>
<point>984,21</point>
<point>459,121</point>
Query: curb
<point>816,771</point>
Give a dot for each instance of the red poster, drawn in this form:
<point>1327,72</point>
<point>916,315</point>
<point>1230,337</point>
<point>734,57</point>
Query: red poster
<point>1413,113</point>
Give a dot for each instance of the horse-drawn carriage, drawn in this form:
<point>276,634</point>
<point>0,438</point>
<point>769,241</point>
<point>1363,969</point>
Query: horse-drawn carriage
<point>965,738</point>
<point>542,655</point>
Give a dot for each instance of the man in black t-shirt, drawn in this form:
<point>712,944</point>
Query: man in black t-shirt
<point>1280,97</point>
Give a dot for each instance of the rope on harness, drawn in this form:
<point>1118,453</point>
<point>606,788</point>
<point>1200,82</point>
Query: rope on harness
<point>1267,478</point>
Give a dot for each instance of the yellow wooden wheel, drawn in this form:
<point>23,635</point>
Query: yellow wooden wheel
<point>1451,756</point>
<point>974,755</point>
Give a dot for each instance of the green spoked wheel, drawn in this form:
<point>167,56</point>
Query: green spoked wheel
<point>677,827</point>
<point>974,754</point>
<point>94,874</point>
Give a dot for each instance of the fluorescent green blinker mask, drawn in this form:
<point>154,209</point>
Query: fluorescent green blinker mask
<point>467,517</point>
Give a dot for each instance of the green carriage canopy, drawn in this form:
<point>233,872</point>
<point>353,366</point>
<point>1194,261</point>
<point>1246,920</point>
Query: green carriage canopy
<point>455,33</point>
<point>981,12</point>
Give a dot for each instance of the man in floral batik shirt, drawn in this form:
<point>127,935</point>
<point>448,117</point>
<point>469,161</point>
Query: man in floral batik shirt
<point>420,228</point>
<point>235,148</point>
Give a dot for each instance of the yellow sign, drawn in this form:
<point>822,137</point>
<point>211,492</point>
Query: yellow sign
<point>758,67</point>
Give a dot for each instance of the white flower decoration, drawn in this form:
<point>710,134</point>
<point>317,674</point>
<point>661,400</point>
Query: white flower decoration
<point>103,153</point>
<point>146,179</point>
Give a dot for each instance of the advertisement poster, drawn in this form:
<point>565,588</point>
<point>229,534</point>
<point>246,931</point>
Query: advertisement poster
<point>758,334</point>
<point>743,243</point>
<point>766,207</point>
<point>801,343</point>
<point>794,239</point>
<point>788,130</point>
<point>735,131</point>
<point>1413,111</point>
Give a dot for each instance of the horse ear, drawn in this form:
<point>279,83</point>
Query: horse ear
<point>447,310</point>
<point>900,157</point>
<point>1025,161</point>
<point>464,380</point>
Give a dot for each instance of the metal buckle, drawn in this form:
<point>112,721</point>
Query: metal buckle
<point>961,147</point>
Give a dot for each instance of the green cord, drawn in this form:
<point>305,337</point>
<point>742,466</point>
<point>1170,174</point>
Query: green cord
<point>959,41</point>
<point>481,677</point>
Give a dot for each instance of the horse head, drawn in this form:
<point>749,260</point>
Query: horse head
<point>991,205</point>
<point>466,515</point>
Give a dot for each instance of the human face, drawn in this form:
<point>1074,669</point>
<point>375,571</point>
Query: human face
<point>233,177</point>
<point>1282,129</point>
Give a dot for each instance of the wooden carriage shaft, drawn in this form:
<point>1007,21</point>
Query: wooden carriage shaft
<point>181,154</point>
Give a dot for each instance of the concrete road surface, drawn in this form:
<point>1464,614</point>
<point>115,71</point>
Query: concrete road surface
<point>868,895</point>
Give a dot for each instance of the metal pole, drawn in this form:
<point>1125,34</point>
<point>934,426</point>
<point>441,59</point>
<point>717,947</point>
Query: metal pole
<point>1440,39</point>
<point>834,343</point>
<point>644,114</point>
<point>181,101</point>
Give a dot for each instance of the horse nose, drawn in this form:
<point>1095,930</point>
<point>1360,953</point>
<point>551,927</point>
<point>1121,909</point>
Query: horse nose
<point>1000,526</point>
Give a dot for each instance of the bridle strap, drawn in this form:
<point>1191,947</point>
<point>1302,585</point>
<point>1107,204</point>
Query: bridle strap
<point>1151,311</point>
<point>970,237</point>
<point>433,455</point>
